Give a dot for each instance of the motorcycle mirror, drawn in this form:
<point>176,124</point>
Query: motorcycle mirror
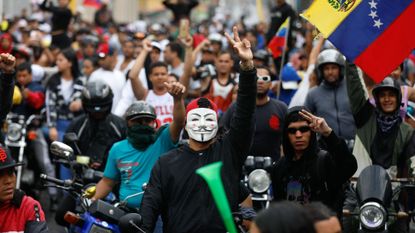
<point>61,150</point>
<point>71,137</point>
<point>129,223</point>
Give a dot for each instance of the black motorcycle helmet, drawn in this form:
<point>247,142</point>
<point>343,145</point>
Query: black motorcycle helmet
<point>140,109</point>
<point>97,97</point>
<point>388,83</point>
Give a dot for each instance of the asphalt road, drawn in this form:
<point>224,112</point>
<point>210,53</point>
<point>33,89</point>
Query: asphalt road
<point>50,216</point>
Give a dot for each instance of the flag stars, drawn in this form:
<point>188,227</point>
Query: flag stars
<point>373,14</point>
<point>373,4</point>
<point>378,23</point>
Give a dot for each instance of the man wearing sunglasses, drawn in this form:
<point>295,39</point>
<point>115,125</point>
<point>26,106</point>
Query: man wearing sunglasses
<point>269,115</point>
<point>306,173</point>
<point>18,212</point>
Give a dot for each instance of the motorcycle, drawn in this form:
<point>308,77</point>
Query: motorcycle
<point>377,205</point>
<point>258,180</point>
<point>89,217</point>
<point>19,133</point>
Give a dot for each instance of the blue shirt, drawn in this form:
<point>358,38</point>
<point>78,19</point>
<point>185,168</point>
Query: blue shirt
<point>133,167</point>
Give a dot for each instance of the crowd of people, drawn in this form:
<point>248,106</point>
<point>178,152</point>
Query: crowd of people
<point>152,103</point>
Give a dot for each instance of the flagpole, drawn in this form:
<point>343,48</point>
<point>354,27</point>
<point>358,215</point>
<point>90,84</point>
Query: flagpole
<point>283,57</point>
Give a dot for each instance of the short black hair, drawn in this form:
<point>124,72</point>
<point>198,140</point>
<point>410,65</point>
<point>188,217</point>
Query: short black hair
<point>24,66</point>
<point>94,60</point>
<point>157,64</point>
<point>284,217</point>
<point>176,48</point>
<point>319,212</point>
<point>175,76</point>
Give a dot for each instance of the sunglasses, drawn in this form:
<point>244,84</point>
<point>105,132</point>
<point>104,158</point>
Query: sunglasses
<point>265,78</point>
<point>302,129</point>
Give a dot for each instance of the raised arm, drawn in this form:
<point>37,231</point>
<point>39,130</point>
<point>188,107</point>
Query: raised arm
<point>7,76</point>
<point>139,91</point>
<point>242,124</point>
<point>177,90</point>
<point>312,58</point>
<point>188,61</point>
<point>46,6</point>
<point>358,97</point>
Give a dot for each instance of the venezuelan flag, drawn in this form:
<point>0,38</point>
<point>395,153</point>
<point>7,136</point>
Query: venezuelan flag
<point>93,3</point>
<point>377,35</point>
<point>278,42</point>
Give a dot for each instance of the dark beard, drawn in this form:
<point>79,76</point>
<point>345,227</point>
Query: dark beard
<point>261,95</point>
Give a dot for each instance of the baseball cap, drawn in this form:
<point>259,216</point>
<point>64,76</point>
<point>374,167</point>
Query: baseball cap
<point>201,102</point>
<point>6,160</point>
<point>105,50</point>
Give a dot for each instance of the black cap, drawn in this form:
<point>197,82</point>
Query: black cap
<point>6,160</point>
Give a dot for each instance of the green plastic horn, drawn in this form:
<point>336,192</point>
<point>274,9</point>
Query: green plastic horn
<point>211,174</point>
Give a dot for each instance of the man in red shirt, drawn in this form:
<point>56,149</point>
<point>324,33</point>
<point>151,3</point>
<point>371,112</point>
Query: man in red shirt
<point>18,212</point>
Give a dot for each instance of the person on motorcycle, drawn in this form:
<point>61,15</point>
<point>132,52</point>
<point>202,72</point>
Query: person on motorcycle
<point>329,99</point>
<point>130,161</point>
<point>382,138</point>
<point>175,191</point>
<point>98,129</point>
<point>269,116</point>
<point>33,99</point>
<point>18,212</point>
<point>7,74</point>
<point>307,173</point>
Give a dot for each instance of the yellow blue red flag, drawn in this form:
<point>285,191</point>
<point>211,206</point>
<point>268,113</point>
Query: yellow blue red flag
<point>279,41</point>
<point>376,35</point>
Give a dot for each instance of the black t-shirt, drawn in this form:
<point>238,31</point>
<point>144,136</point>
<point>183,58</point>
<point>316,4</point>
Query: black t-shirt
<point>269,120</point>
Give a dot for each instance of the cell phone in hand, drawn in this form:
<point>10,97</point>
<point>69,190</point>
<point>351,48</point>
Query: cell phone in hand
<point>183,28</point>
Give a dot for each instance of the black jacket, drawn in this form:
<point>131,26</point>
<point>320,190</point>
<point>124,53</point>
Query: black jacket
<point>97,137</point>
<point>6,96</point>
<point>278,15</point>
<point>317,176</point>
<point>180,195</point>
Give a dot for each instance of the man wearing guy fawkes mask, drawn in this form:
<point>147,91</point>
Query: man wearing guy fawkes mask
<point>174,191</point>
<point>130,161</point>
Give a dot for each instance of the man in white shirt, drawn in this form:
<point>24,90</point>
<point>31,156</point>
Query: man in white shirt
<point>114,78</point>
<point>126,60</point>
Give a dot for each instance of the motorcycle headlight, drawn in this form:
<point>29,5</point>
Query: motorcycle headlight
<point>14,132</point>
<point>99,229</point>
<point>372,215</point>
<point>259,181</point>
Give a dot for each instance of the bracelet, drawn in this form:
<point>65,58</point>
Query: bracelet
<point>248,65</point>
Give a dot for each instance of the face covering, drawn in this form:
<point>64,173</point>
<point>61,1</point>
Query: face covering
<point>141,136</point>
<point>202,124</point>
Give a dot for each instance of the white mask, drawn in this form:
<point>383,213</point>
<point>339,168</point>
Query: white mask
<point>202,124</point>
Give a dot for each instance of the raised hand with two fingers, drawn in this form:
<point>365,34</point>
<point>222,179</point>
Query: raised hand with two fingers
<point>242,47</point>
<point>317,124</point>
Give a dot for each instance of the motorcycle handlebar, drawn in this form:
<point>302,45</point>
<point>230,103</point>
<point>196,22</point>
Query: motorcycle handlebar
<point>55,181</point>
<point>64,183</point>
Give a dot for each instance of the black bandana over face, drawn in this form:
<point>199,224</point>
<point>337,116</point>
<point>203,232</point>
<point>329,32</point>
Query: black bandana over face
<point>141,136</point>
